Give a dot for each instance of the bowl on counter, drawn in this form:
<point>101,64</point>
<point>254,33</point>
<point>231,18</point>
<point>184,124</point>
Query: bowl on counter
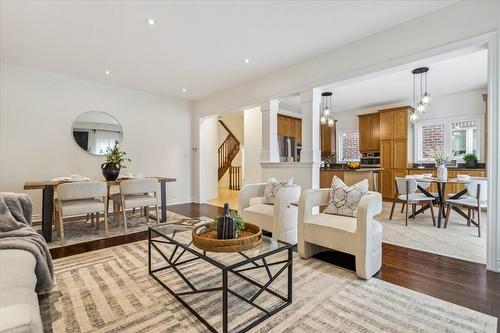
<point>353,165</point>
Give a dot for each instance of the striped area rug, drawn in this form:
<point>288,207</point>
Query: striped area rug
<point>110,291</point>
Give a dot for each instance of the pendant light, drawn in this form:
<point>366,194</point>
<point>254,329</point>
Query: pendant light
<point>326,114</point>
<point>421,96</point>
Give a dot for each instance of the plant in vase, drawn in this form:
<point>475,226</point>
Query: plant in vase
<point>470,160</point>
<point>441,157</point>
<point>115,161</point>
<point>236,225</point>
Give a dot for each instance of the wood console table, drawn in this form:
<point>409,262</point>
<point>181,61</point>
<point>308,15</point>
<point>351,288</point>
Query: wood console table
<point>48,188</point>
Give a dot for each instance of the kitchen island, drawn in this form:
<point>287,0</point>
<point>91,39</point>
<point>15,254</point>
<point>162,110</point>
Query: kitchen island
<point>350,176</point>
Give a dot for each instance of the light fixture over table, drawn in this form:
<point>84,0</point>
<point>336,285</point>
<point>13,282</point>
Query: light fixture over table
<point>326,114</point>
<point>421,96</point>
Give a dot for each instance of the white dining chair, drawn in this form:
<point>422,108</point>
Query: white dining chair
<point>136,193</point>
<point>475,199</point>
<point>81,198</point>
<point>406,194</point>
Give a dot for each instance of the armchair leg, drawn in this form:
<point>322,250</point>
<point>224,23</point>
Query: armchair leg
<point>392,210</point>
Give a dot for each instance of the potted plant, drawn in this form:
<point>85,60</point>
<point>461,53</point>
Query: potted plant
<point>240,225</point>
<point>115,161</point>
<point>470,160</point>
<point>441,157</point>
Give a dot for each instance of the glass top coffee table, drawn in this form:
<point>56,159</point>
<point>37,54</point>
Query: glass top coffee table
<point>252,285</point>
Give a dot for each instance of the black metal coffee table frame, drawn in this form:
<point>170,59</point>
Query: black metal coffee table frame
<point>258,262</point>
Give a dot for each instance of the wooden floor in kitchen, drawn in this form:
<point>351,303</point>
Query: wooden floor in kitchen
<point>461,282</point>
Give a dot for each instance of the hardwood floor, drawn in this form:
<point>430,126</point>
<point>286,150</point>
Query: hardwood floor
<point>461,282</point>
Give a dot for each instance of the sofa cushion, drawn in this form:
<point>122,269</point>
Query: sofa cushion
<point>17,269</point>
<point>84,206</point>
<point>19,311</point>
<point>259,214</point>
<point>255,200</point>
<point>344,199</point>
<point>273,187</point>
<point>327,229</point>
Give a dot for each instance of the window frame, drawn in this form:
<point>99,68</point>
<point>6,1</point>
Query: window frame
<point>340,146</point>
<point>447,121</point>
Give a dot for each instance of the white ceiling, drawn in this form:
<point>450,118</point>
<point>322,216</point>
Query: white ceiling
<point>460,73</point>
<point>198,45</point>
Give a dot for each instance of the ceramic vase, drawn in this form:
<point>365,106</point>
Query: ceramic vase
<point>442,172</point>
<point>110,171</point>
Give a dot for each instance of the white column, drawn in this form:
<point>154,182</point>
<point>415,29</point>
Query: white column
<point>270,151</point>
<point>311,151</point>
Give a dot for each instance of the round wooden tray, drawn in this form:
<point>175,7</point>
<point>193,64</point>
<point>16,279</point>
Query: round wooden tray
<point>208,241</point>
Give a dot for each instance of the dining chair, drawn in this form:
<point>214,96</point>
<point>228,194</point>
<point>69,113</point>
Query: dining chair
<point>475,199</point>
<point>81,198</point>
<point>136,193</point>
<point>406,188</point>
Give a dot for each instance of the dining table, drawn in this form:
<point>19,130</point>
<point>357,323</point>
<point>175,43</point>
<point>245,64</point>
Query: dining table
<point>440,198</point>
<point>48,188</point>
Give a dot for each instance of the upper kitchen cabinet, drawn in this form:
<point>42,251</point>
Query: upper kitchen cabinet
<point>326,141</point>
<point>369,132</point>
<point>290,126</point>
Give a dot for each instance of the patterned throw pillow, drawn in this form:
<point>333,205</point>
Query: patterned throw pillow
<point>344,199</point>
<point>272,188</point>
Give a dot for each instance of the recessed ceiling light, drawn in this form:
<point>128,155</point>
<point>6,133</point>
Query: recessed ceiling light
<point>107,72</point>
<point>151,21</point>
<point>246,60</point>
<point>184,90</point>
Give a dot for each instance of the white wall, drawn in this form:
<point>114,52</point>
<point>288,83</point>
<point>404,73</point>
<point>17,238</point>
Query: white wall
<point>208,158</point>
<point>252,172</point>
<point>38,108</point>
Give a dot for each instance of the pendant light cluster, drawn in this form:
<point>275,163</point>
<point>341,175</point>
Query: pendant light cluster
<point>421,96</point>
<point>326,113</point>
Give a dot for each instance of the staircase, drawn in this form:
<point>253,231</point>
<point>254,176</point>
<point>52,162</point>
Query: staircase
<point>227,151</point>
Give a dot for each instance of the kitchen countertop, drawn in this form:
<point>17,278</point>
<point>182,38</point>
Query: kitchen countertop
<point>352,170</point>
<point>450,168</point>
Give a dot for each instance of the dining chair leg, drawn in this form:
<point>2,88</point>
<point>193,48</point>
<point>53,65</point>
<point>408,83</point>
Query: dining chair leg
<point>146,212</point>
<point>133,211</point>
<point>105,218</point>
<point>56,221</point>
<point>87,219</point>
<point>406,213</point>
<point>124,217</point>
<point>448,211</point>
<point>479,221</point>
<point>61,224</point>
<point>403,208</point>
<point>431,208</point>
<point>97,216</point>
<point>469,216</point>
<point>392,210</point>
<point>157,214</point>
<point>413,210</point>
<point>92,216</point>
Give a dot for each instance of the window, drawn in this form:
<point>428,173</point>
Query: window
<point>457,136</point>
<point>348,145</point>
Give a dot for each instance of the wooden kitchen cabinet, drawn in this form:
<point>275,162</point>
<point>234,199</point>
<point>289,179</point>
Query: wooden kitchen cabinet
<point>326,142</point>
<point>290,126</point>
<point>400,154</point>
<point>385,126</point>
<point>386,154</point>
<point>393,148</point>
<point>369,132</point>
<point>375,132</point>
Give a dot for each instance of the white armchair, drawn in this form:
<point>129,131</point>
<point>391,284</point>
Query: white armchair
<point>360,236</point>
<point>280,219</point>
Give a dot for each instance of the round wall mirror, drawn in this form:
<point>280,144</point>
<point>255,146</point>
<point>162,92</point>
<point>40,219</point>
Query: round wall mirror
<point>96,131</point>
